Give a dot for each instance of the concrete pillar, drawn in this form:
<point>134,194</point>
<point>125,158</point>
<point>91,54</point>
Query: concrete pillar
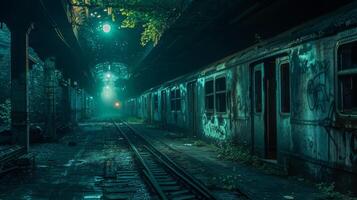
<point>19,83</point>
<point>50,95</point>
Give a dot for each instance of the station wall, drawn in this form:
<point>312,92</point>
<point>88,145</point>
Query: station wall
<point>68,97</point>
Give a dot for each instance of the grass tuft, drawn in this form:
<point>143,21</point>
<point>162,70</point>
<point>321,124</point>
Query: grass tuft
<point>199,143</point>
<point>135,120</point>
<point>233,152</point>
<point>328,192</point>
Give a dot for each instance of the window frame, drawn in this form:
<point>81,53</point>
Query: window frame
<point>178,99</point>
<point>172,99</point>
<point>340,114</point>
<point>214,94</point>
<point>225,92</point>
<point>210,94</point>
<point>280,63</point>
<point>156,102</point>
<point>175,99</point>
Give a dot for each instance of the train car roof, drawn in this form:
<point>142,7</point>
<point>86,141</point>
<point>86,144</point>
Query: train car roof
<point>327,25</point>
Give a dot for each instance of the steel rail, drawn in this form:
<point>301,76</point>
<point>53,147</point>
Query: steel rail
<point>171,167</point>
<point>147,170</point>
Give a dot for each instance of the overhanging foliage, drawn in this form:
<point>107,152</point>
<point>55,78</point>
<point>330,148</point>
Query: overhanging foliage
<point>153,16</point>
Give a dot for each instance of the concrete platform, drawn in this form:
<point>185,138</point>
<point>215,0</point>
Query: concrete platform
<point>73,168</point>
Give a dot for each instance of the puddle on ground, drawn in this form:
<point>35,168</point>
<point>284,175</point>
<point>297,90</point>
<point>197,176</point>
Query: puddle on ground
<point>74,163</point>
<point>41,166</point>
<point>93,196</point>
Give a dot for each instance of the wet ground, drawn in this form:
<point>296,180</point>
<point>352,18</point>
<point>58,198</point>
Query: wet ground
<point>94,162</point>
<point>91,163</point>
<point>227,179</point>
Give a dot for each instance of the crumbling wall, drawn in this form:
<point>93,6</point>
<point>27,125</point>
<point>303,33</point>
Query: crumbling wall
<point>5,78</point>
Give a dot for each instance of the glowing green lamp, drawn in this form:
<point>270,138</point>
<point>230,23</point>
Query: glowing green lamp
<point>107,28</point>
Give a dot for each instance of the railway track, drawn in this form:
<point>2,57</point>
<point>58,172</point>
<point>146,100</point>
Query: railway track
<point>168,180</point>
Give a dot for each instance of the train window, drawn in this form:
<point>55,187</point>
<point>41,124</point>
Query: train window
<point>178,100</point>
<point>221,94</point>
<point>347,78</point>
<point>209,96</point>
<point>172,100</point>
<point>156,102</point>
<point>178,93</point>
<point>285,88</point>
<point>221,84</point>
<point>175,99</point>
<point>258,91</point>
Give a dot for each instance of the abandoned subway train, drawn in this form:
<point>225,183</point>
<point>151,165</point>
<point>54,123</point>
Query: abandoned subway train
<point>292,99</point>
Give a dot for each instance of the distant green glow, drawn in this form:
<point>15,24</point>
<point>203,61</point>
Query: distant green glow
<point>107,28</point>
<point>108,75</point>
<point>108,93</point>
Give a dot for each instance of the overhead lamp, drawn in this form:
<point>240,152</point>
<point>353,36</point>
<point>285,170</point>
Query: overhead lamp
<point>107,28</point>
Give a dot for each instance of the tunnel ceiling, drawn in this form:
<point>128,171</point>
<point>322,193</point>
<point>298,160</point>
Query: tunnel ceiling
<point>52,36</point>
<point>211,30</point>
<point>122,31</point>
<point>158,40</point>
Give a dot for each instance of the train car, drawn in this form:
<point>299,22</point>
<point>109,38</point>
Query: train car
<point>292,99</point>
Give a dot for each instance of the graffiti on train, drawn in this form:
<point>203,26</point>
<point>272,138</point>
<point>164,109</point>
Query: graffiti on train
<point>317,91</point>
<point>213,128</point>
<point>311,78</point>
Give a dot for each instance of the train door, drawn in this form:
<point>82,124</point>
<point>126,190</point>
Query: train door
<point>192,110</point>
<point>258,109</point>
<point>163,107</point>
<point>264,109</point>
<point>270,111</point>
<point>283,99</point>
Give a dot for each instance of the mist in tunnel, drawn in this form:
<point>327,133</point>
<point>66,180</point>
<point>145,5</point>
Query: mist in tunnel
<point>110,88</point>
